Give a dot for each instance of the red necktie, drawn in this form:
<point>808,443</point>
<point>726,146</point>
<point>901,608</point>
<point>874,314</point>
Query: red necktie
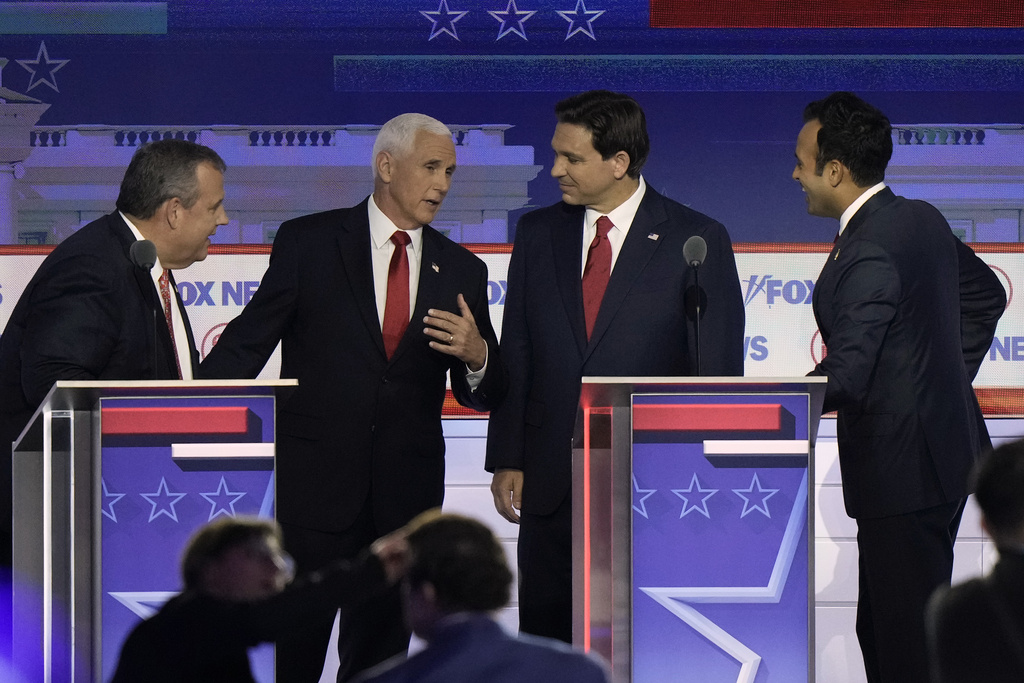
<point>165,294</point>
<point>597,272</point>
<point>396,310</point>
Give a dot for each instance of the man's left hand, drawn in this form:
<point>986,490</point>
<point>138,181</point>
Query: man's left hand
<point>457,335</point>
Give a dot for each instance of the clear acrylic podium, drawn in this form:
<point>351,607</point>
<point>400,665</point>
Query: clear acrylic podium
<point>110,480</point>
<point>692,514</point>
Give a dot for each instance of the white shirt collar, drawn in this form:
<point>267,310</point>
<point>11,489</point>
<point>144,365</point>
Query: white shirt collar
<point>622,215</point>
<point>853,208</point>
<point>157,268</point>
<point>381,228</point>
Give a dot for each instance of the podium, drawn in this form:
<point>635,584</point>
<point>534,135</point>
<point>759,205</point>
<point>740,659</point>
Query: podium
<point>693,527</point>
<point>110,480</point>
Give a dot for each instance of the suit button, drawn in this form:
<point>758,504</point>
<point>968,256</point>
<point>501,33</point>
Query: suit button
<point>384,380</point>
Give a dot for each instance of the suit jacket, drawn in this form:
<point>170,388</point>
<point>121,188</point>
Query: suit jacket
<point>976,629</point>
<point>86,314</point>
<point>201,639</point>
<point>907,314</point>
<point>642,329</point>
<point>477,649</point>
<point>358,422</point>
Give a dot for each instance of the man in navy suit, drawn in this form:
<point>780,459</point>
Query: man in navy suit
<point>908,313</point>
<point>559,327</point>
<point>360,449</point>
<point>457,578</point>
<point>88,312</point>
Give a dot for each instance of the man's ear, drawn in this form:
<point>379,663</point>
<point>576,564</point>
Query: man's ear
<point>835,172</point>
<point>620,164</point>
<point>384,161</point>
<point>170,211</point>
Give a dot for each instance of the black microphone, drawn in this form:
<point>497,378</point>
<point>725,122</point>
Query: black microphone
<point>143,255</point>
<point>695,250</point>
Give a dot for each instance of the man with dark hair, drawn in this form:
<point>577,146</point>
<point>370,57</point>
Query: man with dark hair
<point>374,310</point>
<point>908,313</point>
<point>457,577</point>
<point>597,286</point>
<point>236,597</point>
<point>88,312</point>
<point>976,629</point>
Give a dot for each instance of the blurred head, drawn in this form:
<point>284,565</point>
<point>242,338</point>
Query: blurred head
<point>237,558</point>
<point>600,145</point>
<point>173,191</point>
<point>413,163</point>
<point>999,492</point>
<point>456,565</point>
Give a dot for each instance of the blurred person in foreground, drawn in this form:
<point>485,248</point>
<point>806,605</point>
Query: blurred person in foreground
<point>908,313</point>
<point>457,579</point>
<point>237,595</point>
<point>976,629</point>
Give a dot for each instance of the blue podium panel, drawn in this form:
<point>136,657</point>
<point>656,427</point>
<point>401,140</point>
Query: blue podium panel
<point>170,465</point>
<point>720,556</point>
<point>691,527</point>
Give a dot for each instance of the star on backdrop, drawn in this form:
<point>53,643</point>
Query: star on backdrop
<point>581,20</point>
<point>222,501</point>
<point>701,507</point>
<point>762,495</point>
<point>511,20</point>
<point>42,69</point>
<point>443,20</point>
<point>163,501</point>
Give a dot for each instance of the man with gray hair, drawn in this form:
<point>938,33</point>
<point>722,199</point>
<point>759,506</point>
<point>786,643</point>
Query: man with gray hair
<point>88,312</point>
<point>374,310</point>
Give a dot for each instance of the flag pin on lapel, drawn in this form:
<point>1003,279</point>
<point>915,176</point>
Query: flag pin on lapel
<point>653,236</point>
<point>435,267</point>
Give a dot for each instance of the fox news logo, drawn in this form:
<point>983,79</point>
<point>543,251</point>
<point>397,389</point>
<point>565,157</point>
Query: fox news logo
<point>790,291</point>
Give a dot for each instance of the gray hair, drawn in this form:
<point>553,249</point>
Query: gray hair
<point>163,170</point>
<point>397,135</point>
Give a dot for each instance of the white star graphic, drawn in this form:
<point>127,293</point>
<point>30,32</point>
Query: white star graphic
<point>511,20</point>
<point>443,20</point>
<point>42,68</point>
<point>581,20</point>
<point>701,507</point>
<point>761,506</point>
<point>222,501</point>
<point>109,500</point>
<point>163,501</point>
<point>647,494</point>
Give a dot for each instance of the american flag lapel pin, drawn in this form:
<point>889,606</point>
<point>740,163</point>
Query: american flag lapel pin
<point>436,268</point>
<point>653,236</point>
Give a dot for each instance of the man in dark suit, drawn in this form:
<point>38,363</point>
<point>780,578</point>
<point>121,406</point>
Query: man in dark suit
<point>907,313</point>
<point>236,597</point>
<point>360,445</point>
<point>88,313</point>
<point>976,629</point>
<point>598,286</point>
<point>457,578</point>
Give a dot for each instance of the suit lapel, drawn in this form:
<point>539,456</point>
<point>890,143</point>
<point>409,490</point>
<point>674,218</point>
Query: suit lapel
<point>642,240</point>
<point>567,245</point>
<point>876,202</point>
<point>193,353</point>
<point>428,291</point>
<point>354,250</point>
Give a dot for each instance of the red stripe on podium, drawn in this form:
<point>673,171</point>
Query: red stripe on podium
<point>707,417</point>
<point>176,420</point>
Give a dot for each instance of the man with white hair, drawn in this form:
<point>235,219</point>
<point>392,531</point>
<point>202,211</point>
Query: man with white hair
<point>374,309</point>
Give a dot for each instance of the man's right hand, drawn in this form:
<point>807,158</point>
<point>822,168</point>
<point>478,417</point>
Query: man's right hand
<point>507,489</point>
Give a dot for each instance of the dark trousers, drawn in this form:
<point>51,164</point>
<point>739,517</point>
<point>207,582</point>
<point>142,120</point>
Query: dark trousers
<point>369,633</point>
<point>903,559</point>
<point>545,573</point>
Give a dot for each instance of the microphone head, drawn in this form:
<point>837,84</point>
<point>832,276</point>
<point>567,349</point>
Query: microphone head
<point>695,250</point>
<point>143,254</point>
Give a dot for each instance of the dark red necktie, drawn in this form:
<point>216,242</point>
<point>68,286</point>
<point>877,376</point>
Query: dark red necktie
<point>396,310</point>
<point>165,294</point>
<point>597,272</point>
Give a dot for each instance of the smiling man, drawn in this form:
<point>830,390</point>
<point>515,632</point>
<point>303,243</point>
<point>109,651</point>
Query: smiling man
<point>374,310</point>
<point>908,313</point>
<point>87,313</point>
<point>597,286</point>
